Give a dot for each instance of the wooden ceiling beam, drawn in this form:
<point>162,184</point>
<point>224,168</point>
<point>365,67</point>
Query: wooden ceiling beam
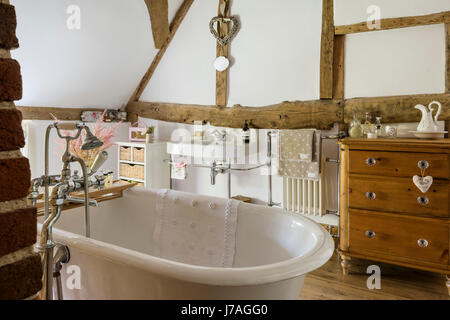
<point>320,114</point>
<point>395,109</point>
<point>43,113</point>
<point>159,19</point>
<point>395,23</point>
<point>176,22</point>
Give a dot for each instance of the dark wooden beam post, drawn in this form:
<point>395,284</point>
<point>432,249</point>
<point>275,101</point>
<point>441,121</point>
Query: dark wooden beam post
<point>222,50</point>
<point>179,16</point>
<point>159,18</point>
<point>338,67</point>
<point>447,54</point>
<point>326,50</point>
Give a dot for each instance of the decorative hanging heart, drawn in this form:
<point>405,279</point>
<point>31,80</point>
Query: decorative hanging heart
<point>423,183</point>
<point>223,40</point>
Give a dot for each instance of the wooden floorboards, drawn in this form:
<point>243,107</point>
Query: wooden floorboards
<point>397,283</point>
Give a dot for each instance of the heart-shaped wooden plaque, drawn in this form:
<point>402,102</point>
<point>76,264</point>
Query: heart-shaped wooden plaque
<point>225,39</point>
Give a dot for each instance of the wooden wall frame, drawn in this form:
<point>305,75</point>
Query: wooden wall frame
<point>323,113</point>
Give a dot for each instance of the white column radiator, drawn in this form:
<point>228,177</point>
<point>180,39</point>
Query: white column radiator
<point>303,196</point>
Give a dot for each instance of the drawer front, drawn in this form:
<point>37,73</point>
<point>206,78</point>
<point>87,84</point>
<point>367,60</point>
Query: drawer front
<point>398,195</point>
<point>398,164</point>
<point>420,239</point>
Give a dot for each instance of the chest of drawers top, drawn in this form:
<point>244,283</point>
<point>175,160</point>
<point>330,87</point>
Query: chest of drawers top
<point>398,157</point>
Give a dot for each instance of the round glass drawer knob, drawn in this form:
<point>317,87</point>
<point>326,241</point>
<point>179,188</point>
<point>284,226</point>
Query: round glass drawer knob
<point>423,164</point>
<point>371,195</point>
<point>370,234</point>
<point>422,243</point>
<point>371,162</point>
<point>422,200</point>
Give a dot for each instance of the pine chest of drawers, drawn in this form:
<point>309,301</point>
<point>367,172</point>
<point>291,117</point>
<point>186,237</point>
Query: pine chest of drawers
<point>383,215</point>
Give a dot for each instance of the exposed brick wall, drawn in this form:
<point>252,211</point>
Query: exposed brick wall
<point>21,279</point>
<point>19,227</point>
<point>10,80</point>
<point>20,267</point>
<point>14,178</point>
<point>8,39</point>
<point>11,130</point>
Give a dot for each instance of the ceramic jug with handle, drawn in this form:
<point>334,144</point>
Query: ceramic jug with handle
<point>427,123</point>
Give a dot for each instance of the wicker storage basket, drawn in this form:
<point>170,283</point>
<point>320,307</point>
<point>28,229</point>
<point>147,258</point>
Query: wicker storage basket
<point>124,170</point>
<point>125,153</point>
<point>138,154</point>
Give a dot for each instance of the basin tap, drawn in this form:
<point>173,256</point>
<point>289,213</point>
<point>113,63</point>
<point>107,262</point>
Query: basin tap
<point>220,135</point>
<point>214,172</point>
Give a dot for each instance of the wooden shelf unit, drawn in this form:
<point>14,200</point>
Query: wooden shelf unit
<point>153,172</point>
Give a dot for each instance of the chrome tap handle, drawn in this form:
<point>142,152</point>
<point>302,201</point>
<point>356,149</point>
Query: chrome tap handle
<point>92,203</point>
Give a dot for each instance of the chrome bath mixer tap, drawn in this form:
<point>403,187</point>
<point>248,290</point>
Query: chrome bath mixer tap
<point>63,185</point>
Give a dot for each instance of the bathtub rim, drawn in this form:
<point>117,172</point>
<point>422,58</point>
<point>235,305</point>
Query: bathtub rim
<point>236,276</point>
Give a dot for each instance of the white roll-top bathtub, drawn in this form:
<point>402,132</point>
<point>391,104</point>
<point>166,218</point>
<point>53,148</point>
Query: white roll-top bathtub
<point>274,251</point>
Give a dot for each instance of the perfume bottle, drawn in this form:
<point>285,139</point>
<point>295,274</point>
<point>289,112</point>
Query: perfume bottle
<point>378,126</point>
<point>367,127</point>
<point>355,130</point>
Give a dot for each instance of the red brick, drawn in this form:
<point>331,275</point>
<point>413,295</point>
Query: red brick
<point>11,134</point>
<point>15,178</point>
<point>10,80</point>
<point>8,23</point>
<point>21,279</point>
<point>18,229</point>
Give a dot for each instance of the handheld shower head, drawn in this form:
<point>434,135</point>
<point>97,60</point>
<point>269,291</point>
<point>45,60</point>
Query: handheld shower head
<point>91,141</point>
<point>99,161</point>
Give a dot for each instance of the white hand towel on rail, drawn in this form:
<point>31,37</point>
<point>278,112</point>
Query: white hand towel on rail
<point>194,229</point>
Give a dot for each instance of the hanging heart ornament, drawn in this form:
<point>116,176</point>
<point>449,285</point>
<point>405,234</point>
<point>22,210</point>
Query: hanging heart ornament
<point>223,40</point>
<point>423,183</point>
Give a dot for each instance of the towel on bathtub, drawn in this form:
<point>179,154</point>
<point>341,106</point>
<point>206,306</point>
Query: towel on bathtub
<point>299,154</point>
<point>195,229</point>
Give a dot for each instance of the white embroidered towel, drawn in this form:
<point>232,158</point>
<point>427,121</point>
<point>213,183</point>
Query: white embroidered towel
<point>195,229</point>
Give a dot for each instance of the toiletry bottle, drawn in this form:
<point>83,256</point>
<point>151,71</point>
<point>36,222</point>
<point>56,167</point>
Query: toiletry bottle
<point>367,125</point>
<point>378,126</point>
<point>246,133</point>
<point>355,130</point>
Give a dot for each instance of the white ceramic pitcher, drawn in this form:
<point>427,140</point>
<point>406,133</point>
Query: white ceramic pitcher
<point>428,123</point>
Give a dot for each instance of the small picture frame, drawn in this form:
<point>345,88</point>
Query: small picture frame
<point>137,134</point>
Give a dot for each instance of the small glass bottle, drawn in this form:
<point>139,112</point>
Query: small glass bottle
<point>367,127</point>
<point>355,130</point>
<point>378,127</point>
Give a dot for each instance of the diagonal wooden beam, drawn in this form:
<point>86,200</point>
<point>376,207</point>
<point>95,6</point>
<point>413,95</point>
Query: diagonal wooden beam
<point>159,18</point>
<point>326,50</point>
<point>395,23</point>
<point>179,16</point>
